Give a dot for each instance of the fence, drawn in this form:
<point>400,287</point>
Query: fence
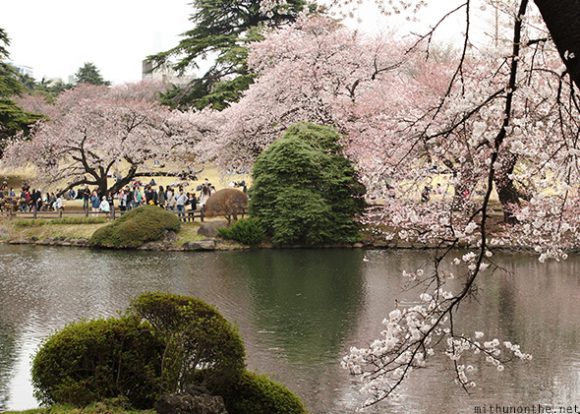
<point>188,215</point>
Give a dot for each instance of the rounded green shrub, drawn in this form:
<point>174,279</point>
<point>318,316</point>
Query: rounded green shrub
<point>304,190</point>
<point>138,226</point>
<point>95,360</point>
<point>246,231</point>
<point>201,346</point>
<point>257,394</point>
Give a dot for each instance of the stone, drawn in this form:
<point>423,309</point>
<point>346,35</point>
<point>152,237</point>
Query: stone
<point>190,404</point>
<point>200,245</point>
<point>166,242</point>
<point>210,228</point>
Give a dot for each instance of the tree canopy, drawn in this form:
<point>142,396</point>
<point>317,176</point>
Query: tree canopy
<point>222,30</point>
<point>89,73</point>
<point>13,119</point>
<point>304,190</point>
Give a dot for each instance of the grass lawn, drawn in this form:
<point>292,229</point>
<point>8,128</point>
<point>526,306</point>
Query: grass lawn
<point>98,408</point>
<point>188,233</point>
<point>15,231</point>
<point>81,228</point>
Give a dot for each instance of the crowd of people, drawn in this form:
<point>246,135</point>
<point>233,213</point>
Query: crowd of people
<point>27,200</point>
<point>173,197</point>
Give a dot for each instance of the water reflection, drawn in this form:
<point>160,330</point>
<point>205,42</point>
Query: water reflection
<point>299,311</point>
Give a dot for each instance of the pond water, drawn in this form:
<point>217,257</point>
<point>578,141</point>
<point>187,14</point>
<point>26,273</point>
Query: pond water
<point>299,311</point>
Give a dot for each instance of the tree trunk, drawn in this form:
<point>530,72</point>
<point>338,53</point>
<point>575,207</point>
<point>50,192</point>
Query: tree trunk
<point>465,188</point>
<point>506,190</point>
<point>103,187</point>
<point>563,20</point>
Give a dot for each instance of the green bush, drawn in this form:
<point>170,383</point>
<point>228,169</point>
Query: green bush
<point>139,226</point>
<point>257,394</point>
<point>201,346</point>
<point>91,361</point>
<point>246,231</point>
<point>304,190</point>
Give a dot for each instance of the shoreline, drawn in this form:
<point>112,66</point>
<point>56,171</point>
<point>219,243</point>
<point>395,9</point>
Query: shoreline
<point>220,245</point>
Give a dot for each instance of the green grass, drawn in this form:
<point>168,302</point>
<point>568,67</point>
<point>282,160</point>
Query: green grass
<point>59,221</point>
<point>49,231</point>
<point>98,408</point>
<point>188,233</point>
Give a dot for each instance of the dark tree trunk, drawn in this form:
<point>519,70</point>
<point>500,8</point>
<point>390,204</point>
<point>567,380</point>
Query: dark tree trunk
<point>506,190</point>
<point>103,187</point>
<point>563,20</point>
<point>465,188</point>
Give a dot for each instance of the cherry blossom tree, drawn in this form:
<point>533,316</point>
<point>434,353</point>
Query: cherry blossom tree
<point>93,133</point>
<point>491,122</point>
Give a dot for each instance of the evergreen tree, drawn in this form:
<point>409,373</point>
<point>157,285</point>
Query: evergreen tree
<point>304,191</point>
<point>89,73</point>
<point>12,118</point>
<point>222,31</point>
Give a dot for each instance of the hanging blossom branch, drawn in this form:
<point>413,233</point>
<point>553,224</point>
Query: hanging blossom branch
<point>415,334</point>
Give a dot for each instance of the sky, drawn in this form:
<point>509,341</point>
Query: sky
<point>56,37</point>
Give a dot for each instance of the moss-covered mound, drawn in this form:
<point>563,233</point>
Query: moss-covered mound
<point>133,229</point>
<point>257,394</point>
<point>201,346</point>
<point>91,361</point>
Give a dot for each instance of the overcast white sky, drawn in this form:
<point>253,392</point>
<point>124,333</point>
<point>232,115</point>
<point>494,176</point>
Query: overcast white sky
<point>55,37</point>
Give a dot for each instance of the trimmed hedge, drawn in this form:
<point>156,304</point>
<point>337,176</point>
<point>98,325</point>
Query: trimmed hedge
<point>201,346</point>
<point>91,361</point>
<point>257,394</point>
<point>246,231</point>
<point>166,343</point>
<point>138,226</point>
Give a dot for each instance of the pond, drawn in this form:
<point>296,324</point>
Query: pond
<point>299,311</point>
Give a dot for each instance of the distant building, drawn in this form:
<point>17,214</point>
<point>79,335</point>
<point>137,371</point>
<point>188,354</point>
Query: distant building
<point>23,69</point>
<point>163,73</point>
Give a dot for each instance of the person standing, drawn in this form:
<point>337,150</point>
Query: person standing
<point>104,206</point>
<point>171,198</point>
<point>122,196</point>
<point>161,197</point>
<point>86,195</point>
<point>95,203</point>
<point>192,203</point>
<point>180,201</point>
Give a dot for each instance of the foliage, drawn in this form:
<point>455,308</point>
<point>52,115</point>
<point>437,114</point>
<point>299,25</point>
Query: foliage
<point>13,119</point>
<point>228,202</point>
<point>304,190</point>
<point>257,394</point>
<point>138,226</point>
<point>201,346</point>
<point>90,361</point>
<point>59,221</point>
<point>224,28</point>
<point>246,231</point>
<point>89,73</point>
